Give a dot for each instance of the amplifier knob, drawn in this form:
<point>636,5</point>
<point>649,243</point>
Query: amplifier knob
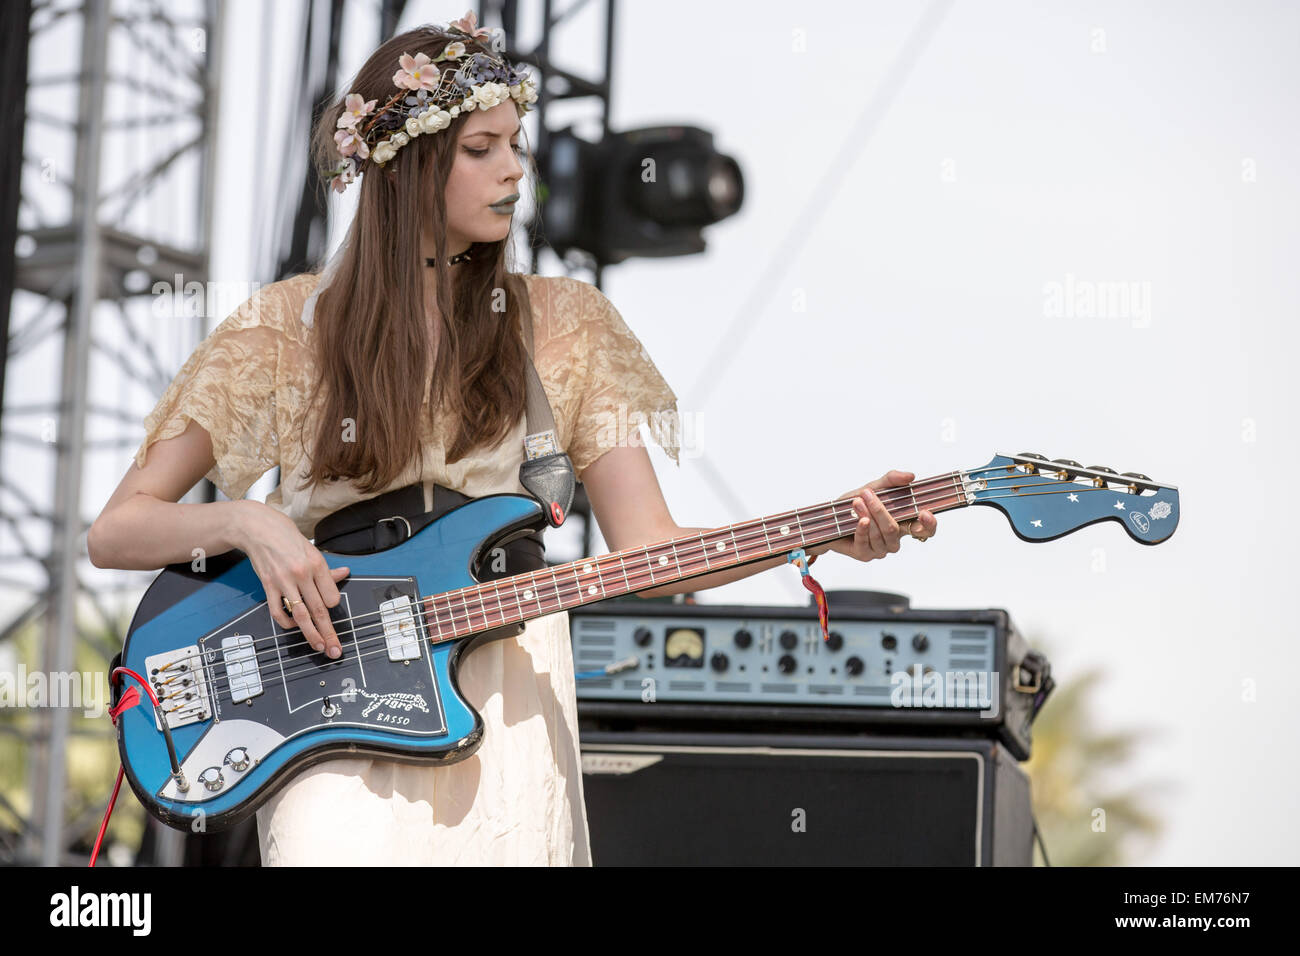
<point>920,642</point>
<point>854,666</point>
<point>719,661</point>
<point>787,664</point>
<point>642,636</point>
<point>744,639</point>
<point>836,641</point>
<point>889,642</point>
<point>212,779</point>
<point>789,640</point>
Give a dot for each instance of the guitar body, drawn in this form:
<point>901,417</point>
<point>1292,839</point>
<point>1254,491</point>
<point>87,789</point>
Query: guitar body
<point>253,703</point>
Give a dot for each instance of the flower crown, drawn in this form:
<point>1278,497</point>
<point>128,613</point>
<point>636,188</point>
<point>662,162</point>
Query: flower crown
<point>428,99</point>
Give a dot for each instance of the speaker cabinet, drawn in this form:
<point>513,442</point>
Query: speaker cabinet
<point>718,799</point>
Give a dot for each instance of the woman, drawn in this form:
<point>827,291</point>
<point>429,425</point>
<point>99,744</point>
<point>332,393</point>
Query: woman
<point>382,372</point>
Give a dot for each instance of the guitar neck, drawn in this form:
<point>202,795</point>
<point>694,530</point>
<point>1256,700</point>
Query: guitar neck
<point>522,597</point>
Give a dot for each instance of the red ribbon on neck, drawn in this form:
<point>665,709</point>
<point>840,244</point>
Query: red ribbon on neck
<point>801,560</point>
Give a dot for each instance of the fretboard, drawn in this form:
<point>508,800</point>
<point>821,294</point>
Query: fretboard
<point>481,607</point>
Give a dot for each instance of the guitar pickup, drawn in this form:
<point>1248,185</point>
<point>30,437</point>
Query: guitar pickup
<point>179,680</point>
<point>400,631</point>
<point>242,672</point>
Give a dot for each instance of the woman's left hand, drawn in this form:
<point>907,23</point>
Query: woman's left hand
<point>877,533</point>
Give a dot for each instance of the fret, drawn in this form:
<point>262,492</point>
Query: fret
<point>501,611</point>
<point>623,567</point>
<point>741,546</point>
<point>431,608</point>
<point>641,555</point>
<point>463,610</point>
<point>916,509</point>
<point>703,549</point>
<point>514,589</point>
<point>559,591</point>
<point>835,513</point>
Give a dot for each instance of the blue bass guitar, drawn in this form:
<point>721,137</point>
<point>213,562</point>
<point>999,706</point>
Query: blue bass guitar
<point>244,703</point>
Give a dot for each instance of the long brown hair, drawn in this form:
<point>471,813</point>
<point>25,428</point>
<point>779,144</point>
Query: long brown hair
<point>371,340</point>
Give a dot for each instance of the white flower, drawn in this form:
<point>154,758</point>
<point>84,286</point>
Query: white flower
<point>489,94</point>
<point>454,112</point>
<point>454,50</point>
<point>383,152</point>
<point>434,120</point>
<point>468,105</point>
<point>413,125</point>
<point>400,139</point>
<point>524,93</point>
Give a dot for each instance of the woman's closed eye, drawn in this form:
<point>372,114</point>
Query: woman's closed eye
<point>483,152</point>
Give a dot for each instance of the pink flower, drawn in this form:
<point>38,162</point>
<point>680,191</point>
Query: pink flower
<point>350,141</point>
<point>417,72</point>
<point>354,108</point>
<point>468,24</point>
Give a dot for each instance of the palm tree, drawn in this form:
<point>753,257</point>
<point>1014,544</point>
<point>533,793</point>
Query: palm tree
<point>1083,819</point>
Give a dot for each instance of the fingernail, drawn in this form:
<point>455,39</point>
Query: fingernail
<point>335,652</point>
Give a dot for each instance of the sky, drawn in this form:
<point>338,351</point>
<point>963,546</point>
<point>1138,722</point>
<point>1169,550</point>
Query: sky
<point>924,183</point>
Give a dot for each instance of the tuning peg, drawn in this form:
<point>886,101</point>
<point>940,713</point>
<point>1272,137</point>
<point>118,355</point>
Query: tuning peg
<point>1134,485</point>
<point>1032,469</point>
<point>1071,475</point>
<point>1101,482</point>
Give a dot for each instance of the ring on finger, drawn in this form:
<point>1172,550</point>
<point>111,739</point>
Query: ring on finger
<point>288,605</point>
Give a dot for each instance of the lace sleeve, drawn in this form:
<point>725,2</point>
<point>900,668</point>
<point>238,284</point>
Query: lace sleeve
<point>619,387</point>
<point>228,387</point>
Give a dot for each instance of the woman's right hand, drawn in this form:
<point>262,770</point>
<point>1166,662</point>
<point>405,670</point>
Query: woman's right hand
<point>290,567</point>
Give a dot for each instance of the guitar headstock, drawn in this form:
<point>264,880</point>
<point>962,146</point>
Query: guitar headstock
<point>1045,499</point>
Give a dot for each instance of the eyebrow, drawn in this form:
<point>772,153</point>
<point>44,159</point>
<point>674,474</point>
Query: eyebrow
<point>486,132</point>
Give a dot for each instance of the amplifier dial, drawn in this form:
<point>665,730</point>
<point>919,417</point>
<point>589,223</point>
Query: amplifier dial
<point>787,664</point>
<point>744,638</point>
<point>854,666</point>
<point>836,641</point>
<point>642,636</point>
<point>789,640</point>
<point>719,661</point>
<point>920,642</point>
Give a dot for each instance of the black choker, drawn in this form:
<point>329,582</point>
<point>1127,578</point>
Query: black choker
<point>459,257</point>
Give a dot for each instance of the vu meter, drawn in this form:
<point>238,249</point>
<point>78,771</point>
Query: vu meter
<point>684,647</point>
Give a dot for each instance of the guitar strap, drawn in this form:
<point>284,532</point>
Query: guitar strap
<point>546,473</point>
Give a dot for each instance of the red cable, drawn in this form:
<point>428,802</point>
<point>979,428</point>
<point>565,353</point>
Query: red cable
<point>123,704</point>
<point>108,813</point>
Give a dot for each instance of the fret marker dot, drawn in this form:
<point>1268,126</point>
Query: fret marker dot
<point>528,595</point>
<point>721,546</point>
<point>591,589</point>
<point>586,569</point>
<point>663,559</point>
<point>785,529</point>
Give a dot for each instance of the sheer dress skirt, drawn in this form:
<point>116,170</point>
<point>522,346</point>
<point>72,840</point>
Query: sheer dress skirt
<point>517,801</point>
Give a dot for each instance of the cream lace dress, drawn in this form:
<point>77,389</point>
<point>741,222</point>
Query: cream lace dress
<point>519,799</point>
